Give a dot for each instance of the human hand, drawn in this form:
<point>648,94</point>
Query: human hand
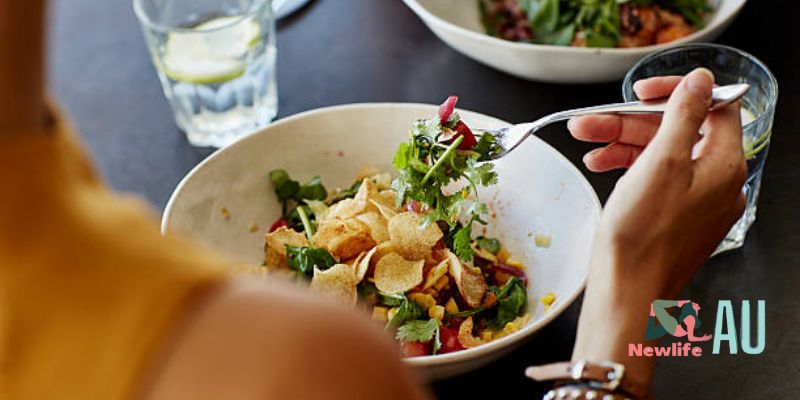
<point>666,215</point>
<point>676,203</point>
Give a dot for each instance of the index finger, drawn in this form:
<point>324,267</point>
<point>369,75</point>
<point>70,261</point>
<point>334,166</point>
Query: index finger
<point>656,87</point>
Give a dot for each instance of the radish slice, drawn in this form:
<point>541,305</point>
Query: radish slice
<point>446,109</point>
<point>469,139</point>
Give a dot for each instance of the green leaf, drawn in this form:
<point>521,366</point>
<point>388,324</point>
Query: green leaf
<point>461,242</point>
<point>391,299</point>
<point>467,313</point>
<point>511,301</point>
<point>345,194</point>
<point>418,330</point>
<point>489,244</point>
<point>304,259</point>
<point>543,16</point>
<point>312,190</point>
<point>401,157</point>
<point>487,147</point>
<point>595,39</point>
<point>408,311</point>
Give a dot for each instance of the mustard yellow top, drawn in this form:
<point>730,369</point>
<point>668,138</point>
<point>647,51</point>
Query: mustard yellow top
<point>89,289</point>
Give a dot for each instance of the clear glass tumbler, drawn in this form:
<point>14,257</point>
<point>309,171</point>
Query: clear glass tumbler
<point>729,66</point>
<point>216,63</point>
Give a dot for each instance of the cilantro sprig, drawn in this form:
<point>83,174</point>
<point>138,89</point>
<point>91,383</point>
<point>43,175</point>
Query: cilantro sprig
<point>421,331</point>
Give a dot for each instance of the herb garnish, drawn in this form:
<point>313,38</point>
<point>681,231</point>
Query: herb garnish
<point>434,158</point>
<point>304,259</point>
<point>421,331</point>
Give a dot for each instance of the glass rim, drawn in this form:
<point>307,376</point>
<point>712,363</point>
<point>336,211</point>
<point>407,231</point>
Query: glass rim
<point>146,21</point>
<point>770,109</point>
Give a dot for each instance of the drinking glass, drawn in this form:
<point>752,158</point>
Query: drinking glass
<point>729,66</point>
<point>216,63</point>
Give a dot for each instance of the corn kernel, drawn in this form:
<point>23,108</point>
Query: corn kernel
<point>442,283</point>
<point>486,335</point>
<point>548,300</point>
<point>542,241</point>
<point>425,300</point>
<point>503,255</point>
<point>451,307</point>
<point>436,312</point>
<point>513,262</point>
<point>380,313</point>
<point>391,313</point>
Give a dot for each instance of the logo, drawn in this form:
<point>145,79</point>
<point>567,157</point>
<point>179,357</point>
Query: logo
<point>680,321</point>
<point>663,320</point>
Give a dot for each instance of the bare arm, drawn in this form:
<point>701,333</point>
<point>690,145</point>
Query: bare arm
<point>22,72</point>
<point>257,342</point>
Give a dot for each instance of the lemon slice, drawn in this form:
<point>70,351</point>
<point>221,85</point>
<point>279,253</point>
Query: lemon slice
<point>211,52</point>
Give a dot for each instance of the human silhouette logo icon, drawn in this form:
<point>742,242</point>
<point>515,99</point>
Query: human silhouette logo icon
<point>678,318</point>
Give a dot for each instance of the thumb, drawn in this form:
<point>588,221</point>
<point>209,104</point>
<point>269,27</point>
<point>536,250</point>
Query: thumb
<point>686,110</point>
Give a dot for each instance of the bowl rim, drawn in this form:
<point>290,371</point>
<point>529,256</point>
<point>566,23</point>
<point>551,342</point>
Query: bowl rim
<point>426,15</point>
<point>439,359</point>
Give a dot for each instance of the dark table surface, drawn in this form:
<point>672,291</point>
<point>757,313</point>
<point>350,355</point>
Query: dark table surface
<point>344,51</point>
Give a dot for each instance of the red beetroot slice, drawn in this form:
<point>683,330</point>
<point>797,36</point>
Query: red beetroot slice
<point>446,109</point>
<point>278,224</point>
<point>511,271</point>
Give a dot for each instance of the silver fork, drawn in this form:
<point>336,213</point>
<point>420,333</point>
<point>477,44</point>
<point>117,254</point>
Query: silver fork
<point>511,137</point>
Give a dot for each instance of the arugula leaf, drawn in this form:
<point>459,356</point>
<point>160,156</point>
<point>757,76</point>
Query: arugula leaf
<point>461,244</point>
<point>285,188</point>
<point>304,259</point>
<point>346,194</point>
<point>418,330</point>
<point>312,190</point>
<point>511,300</point>
<point>407,311</point>
<point>467,313</point>
<point>489,244</point>
<point>288,190</point>
<point>391,299</point>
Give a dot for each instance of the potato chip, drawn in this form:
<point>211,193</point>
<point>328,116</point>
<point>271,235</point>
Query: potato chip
<point>275,260</point>
<point>435,273</point>
<point>465,334</point>
<point>385,210</point>
<point>470,281</point>
<point>383,180</point>
<point>337,282</point>
<point>367,192</point>
<point>361,266</point>
<point>377,224</point>
<point>388,198</point>
<point>383,249</point>
<point>344,239</point>
<point>367,171</point>
<point>343,209</point>
<point>280,238</point>
<point>395,274</point>
<point>413,239</point>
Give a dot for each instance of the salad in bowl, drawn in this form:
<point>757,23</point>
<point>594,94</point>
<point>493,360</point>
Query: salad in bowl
<point>404,248</point>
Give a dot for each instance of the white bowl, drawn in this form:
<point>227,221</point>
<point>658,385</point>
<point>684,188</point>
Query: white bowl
<point>540,192</point>
<point>457,23</point>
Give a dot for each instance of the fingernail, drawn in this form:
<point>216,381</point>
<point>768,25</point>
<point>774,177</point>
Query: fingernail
<point>700,82</point>
<point>570,124</point>
<point>588,156</point>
